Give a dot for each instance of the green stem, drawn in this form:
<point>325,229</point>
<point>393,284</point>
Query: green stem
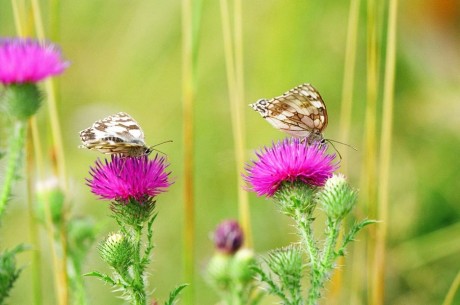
<point>307,234</point>
<point>308,238</point>
<point>138,282</point>
<point>333,226</point>
<point>14,156</point>
<point>240,294</point>
<point>314,294</point>
<point>323,266</point>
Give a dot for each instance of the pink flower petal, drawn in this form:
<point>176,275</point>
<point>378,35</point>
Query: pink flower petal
<point>28,61</point>
<point>125,178</point>
<point>290,160</point>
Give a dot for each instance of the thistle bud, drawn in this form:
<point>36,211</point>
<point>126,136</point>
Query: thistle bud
<point>337,198</point>
<point>50,196</point>
<point>117,251</point>
<point>218,270</point>
<point>241,270</point>
<point>22,100</point>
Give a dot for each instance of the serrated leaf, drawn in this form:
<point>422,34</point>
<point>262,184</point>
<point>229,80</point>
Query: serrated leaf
<point>102,276</point>
<point>354,230</point>
<point>174,294</point>
<point>273,288</point>
<point>9,271</point>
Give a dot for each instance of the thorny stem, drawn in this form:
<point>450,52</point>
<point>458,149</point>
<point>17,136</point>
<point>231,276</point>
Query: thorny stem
<point>138,281</point>
<point>304,223</point>
<point>307,235</point>
<point>320,266</point>
<point>16,146</point>
<point>333,226</point>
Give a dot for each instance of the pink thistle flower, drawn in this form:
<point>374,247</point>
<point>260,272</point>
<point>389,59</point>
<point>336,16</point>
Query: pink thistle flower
<point>123,178</point>
<point>24,60</point>
<point>288,161</point>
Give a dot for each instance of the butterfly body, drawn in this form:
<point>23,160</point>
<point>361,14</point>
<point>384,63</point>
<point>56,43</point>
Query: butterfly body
<point>116,134</point>
<point>300,112</point>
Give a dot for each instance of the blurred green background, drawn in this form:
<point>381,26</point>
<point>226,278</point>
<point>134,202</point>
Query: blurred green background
<point>126,56</point>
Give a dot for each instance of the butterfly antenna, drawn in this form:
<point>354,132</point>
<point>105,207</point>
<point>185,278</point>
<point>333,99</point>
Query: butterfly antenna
<point>151,148</point>
<point>335,148</point>
<point>335,141</point>
<point>330,142</point>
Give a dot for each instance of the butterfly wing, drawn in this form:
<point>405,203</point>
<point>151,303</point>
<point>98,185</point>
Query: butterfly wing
<point>118,133</point>
<point>300,112</point>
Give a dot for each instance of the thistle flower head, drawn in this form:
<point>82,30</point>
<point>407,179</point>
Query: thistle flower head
<point>24,60</point>
<point>124,179</point>
<point>289,161</point>
<point>228,237</point>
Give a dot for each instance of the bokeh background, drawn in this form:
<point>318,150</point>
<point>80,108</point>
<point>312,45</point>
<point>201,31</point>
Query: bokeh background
<point>126,56</point>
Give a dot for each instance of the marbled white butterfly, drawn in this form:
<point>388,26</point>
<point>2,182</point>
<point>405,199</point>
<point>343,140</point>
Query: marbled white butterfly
<point>300,112</point>
<point>116,134</point>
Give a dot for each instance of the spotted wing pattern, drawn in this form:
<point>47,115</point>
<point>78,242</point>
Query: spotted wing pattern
<point>115,134</point>
<point>300,112</point>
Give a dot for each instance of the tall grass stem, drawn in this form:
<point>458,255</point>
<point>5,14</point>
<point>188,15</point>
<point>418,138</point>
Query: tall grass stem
<point>385,157</point>
<point>33,225</point>
<point>369,169</point>
<point>17,17</point>
<point>426,249</point>
<point>189,46</point>
<point>233,48</point>
<point>348,78</point>
<point>58,148</point>
<point>452,290</point>
<point>50,229</point>
<point>345,115</point>
<point>240,122</point>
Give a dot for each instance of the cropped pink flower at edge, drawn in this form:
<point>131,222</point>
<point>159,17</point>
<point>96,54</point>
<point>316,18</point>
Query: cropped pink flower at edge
<point>123,178</point>
<point>288,161</point>
<point>24,60</point>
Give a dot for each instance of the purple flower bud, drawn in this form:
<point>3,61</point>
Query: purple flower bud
<point>228,237</point>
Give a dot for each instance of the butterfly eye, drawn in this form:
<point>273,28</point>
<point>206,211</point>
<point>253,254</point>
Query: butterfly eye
<point>262,102</point>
